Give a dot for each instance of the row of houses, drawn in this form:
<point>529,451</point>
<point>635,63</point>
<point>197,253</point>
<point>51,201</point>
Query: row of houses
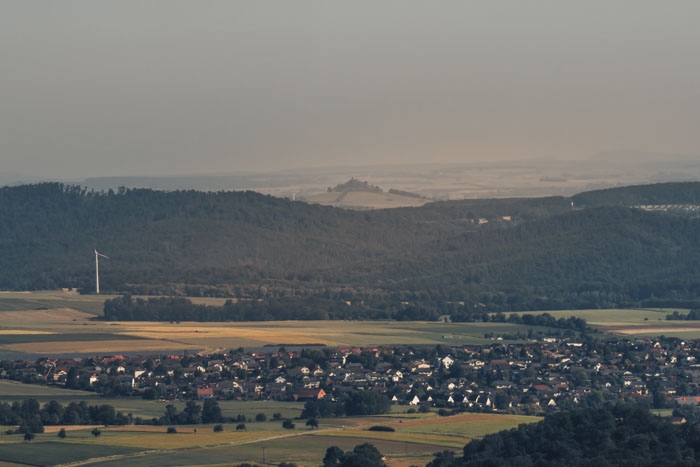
<point>531,377</point>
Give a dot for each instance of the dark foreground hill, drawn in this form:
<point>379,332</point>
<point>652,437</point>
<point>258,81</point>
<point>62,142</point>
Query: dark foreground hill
<point>622,435</point>
<point>458,256</point>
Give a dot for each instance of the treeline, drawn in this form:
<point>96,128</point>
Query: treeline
<point>621,435</point>
<point>692,315</point>
<point>175,309</point>
<point>543,319</point>
<point>659,193</point>
<point>32,418</point>
<point>192,414</point>
<point>357,403</point>
<point>275,256</point>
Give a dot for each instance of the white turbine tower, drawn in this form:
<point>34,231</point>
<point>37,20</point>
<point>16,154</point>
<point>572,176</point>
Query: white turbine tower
<point>97,270</point>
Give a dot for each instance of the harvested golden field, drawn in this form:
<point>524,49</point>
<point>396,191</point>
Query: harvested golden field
<point>56,429</point>
<point>63,330</point>
<point>100,347</point>
<point>15,332</point>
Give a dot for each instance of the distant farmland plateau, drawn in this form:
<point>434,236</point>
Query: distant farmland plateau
<point>57,323</point>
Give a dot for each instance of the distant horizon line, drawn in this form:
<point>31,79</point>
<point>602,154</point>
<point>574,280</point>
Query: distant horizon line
<point>648,156</point>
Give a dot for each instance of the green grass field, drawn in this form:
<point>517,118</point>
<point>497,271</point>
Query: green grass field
<point>45,452</point>
<point>637,322</point>
<point>11,391</point>
<point>612,316</point>
<point>415,441</point>
<point>18,301</point>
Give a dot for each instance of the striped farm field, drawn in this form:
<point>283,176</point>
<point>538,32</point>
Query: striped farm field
<point>413,443</point>
<point>452,442</point>
<point>186,437</point>
<point>55,323</point>
<point>50,326</point>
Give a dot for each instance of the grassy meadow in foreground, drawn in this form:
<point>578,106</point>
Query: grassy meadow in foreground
<point>416,438</point>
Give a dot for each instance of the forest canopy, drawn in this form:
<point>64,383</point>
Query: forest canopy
<point>453,257</point>
<point>621,435</point>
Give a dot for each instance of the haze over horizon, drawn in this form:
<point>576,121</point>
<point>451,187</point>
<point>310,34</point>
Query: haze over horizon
<point>176,87</point>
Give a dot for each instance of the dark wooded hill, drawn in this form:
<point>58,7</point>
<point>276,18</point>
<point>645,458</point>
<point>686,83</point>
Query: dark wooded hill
<point>457,256</point>
<point>621,435</point>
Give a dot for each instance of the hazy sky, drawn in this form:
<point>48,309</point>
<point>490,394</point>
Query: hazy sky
<point>164,86</point>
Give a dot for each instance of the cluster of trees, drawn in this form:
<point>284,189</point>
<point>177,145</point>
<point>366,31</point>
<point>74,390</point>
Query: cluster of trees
<point>192,414</point>
<point>355,185</point>
<point>356,403</point>
<point>692,315</point>
<point>618,435</point>
<point>362,455</point>
<point>281,257</point>
<point>32,418</point>
<point>543,319</point>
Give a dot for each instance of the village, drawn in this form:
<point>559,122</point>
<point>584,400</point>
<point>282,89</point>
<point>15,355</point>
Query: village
<point>526,378</point>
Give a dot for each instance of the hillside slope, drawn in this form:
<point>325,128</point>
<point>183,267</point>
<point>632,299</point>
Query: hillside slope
<point>500,254</point>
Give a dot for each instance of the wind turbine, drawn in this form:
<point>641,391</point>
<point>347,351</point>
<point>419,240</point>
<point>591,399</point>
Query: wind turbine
<point>97,270</point>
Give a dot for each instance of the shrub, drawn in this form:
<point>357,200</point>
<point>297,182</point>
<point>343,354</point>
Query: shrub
<point>172,429</point>
<point>288,424</point>
<point>380,428</point>
<point>261,417</point>
<point>312,422</point>
<point>240,426</point>
<point>218,428</point>
<point>277,416</point>
<point>62,433</point>
<point>96,432</point>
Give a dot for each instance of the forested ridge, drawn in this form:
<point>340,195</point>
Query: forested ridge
<point>444,257</point>
<point>622,435</point>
